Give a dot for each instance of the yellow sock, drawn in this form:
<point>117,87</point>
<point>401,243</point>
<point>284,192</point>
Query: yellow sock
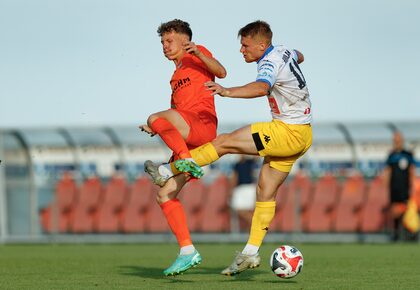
<point>203,155</point>
<point>263,215</point>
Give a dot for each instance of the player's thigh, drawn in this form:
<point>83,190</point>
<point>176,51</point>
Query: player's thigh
<point>269,181</point>
<point>239,141</point>
<point>203,128</point>
<point>175,118</point>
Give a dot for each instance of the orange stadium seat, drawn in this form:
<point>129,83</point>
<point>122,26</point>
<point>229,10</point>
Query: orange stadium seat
<point>155,219</point>
<point>347,215</point>
<point>56,217</point>
<point>156,222</point>
<point>86,205</point>
<point>286,216</point>
<point>107,216</point>
<point>319,212</point>
<point>216,215</point>
<point>134,212</point>
<point>373,213</point>
<point>193,197</point>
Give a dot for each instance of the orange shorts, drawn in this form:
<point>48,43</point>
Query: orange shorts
<point>203,127</point>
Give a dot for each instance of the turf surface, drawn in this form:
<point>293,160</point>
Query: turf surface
<point>131,266</point>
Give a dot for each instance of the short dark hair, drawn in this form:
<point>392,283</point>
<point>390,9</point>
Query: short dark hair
<point>177,26</point>
<point>258,27</point>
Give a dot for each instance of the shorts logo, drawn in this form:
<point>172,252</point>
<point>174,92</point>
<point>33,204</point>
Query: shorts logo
<point>266,138</point>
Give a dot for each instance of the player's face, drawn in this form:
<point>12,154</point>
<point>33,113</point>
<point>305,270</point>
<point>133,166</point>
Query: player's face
<point>252,48</point>
<point>172,45</point>
<point>398,141</point>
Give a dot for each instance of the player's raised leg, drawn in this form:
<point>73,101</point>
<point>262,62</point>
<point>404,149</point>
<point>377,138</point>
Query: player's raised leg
<point>172,129</point>
<point>239,141</point>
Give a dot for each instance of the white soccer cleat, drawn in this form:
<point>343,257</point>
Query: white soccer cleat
<point>153,170</point>
<point>241,263</point>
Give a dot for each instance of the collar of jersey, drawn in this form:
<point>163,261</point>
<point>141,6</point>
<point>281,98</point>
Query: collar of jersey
<point>267,51</point>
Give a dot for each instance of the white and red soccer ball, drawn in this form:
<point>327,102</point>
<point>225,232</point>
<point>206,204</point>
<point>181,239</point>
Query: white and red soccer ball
<point>286,261</point>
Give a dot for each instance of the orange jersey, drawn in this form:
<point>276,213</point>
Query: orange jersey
<point>187,83</point>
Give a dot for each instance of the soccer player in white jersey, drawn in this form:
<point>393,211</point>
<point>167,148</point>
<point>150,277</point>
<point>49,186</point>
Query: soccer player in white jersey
<point>281,142</point>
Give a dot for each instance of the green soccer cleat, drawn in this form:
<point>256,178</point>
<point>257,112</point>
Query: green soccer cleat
<point>189,166</point>
<point>241,263</point>
<point>183,263</point>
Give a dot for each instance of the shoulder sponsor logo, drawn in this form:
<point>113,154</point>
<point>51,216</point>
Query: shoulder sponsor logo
<point>267,65</point>
<point>262,74</point>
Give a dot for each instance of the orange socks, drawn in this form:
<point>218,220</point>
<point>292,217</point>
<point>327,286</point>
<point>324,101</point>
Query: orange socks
<point>171,136</point>
<point>175,215</point>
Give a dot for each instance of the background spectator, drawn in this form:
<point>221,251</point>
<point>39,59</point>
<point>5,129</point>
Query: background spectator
<point>399,176</point>
<point>242,181</point>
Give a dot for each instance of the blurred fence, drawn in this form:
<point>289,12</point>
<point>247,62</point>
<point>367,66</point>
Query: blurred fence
<point>73,181</point>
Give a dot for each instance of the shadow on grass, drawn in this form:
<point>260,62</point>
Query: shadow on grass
<point>157,274</point>
<point>282,281</point>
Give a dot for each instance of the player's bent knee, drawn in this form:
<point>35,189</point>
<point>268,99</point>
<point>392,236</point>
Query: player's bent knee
<point>151,119</point>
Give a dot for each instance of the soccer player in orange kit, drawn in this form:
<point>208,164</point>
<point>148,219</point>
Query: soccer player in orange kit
<point>190,122</point>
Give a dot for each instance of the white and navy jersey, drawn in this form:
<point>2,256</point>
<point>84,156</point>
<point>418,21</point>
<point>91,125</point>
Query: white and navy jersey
<point>288,96</point>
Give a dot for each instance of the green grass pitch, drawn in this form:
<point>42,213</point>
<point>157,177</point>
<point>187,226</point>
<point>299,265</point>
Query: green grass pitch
<point>139,266</point>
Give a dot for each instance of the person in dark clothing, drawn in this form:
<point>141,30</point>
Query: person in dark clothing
<point>400,176</point>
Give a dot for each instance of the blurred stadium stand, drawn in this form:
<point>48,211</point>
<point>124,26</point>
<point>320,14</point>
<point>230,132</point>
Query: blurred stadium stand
<point>78,181</point>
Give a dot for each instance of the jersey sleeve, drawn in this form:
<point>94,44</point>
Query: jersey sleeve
<point>295,55</point>
<point>267,72</point>
<point>411,159</point>
<point>204,50</point>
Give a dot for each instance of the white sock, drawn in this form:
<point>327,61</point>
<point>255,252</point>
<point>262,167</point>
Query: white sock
<point>187,250</point>
<point>250,250</point>
<point>191,160</point>
<point>165,170</point>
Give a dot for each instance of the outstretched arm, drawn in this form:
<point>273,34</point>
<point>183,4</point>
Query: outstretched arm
<point>212,64</point>
<point>248,91</point>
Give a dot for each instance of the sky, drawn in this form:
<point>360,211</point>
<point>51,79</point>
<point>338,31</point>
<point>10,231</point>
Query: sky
<point>100,62</point>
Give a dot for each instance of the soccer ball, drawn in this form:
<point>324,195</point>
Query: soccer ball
<point>286,261</point>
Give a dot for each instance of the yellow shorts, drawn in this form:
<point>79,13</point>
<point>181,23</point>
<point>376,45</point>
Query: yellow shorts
<point>281,144</point>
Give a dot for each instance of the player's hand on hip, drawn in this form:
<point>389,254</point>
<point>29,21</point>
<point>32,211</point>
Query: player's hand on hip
<point>147,129</point>
<point>216,88</point>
